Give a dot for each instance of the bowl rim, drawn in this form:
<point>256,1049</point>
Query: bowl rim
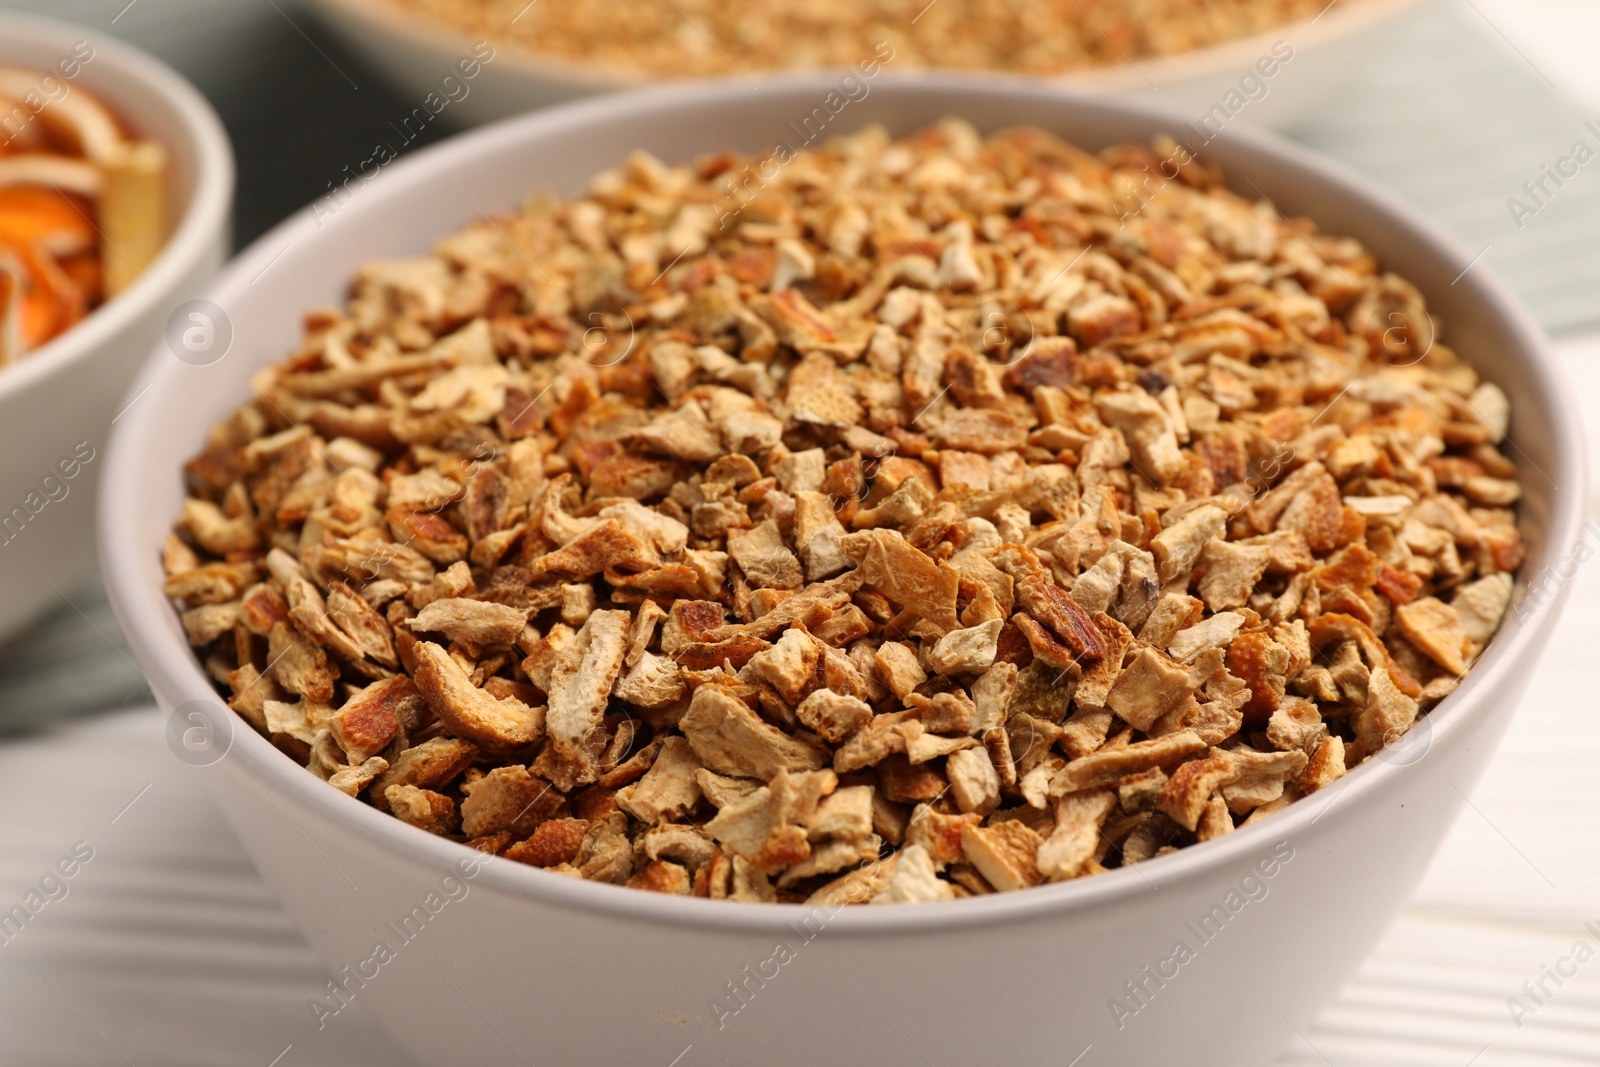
<point>176,675</point>
<point>1330,26</point>
<point>190,241</point>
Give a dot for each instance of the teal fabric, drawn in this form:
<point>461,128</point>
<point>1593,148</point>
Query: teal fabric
<point>1450,116</point>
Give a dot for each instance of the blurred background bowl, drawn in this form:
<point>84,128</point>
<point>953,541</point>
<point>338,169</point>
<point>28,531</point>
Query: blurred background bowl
<point>59,401</point>
<point>413,52</point>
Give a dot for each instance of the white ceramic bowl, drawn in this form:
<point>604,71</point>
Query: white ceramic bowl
<point>519,965</point>
<point>414,53</point>
<point>58,402</point>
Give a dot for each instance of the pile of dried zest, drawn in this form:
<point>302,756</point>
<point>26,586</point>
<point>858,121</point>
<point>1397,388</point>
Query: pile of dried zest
<point>937,508</point>
<point>718,37</point>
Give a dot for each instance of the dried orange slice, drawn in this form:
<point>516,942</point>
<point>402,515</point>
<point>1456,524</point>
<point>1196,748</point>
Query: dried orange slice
<point>82,209</point>
<point>32,215</point>
<point>132,212</point>
<point>58,172</point>
<point>80,120</point>
<point>43,300</point>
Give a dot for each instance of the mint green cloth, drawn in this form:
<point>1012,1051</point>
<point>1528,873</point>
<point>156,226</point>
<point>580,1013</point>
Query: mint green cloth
<point>1452,118</point>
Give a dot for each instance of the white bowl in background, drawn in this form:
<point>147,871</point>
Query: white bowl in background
<point>413,53</point>
<point>519,965</point>
<point>57,403</point>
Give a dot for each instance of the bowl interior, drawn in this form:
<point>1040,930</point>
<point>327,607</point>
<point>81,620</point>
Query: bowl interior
<point>307,262</point>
